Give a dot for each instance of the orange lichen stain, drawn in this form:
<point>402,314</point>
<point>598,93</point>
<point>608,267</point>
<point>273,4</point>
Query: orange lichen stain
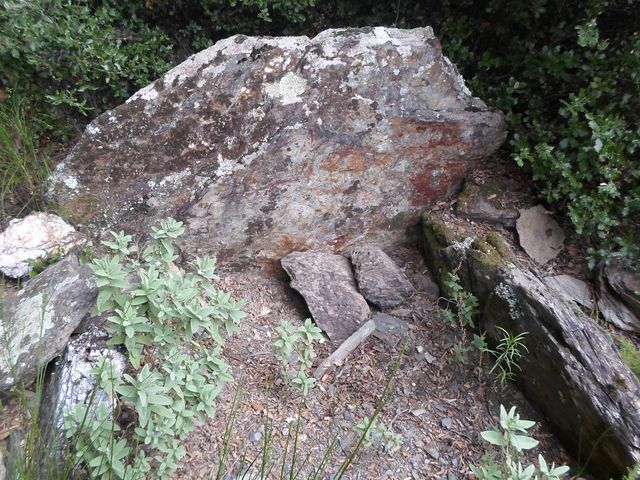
<point>351,159</point>
<point>436,133</point>
<point>434,182</point>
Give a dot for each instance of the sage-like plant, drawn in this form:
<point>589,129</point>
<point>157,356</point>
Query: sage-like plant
<point>171,323</point>
<point>512,439</point>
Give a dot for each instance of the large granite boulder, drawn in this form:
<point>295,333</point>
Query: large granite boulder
<point>36,324</point>
<point>572,372</point>
<point>263,146</point>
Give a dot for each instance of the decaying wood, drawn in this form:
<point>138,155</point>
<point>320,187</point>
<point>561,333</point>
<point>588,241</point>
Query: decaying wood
<point>348,346</point>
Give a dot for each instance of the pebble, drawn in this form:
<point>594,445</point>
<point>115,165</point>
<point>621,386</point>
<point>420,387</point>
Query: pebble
<point>255,437</point>
<point>446,423</point>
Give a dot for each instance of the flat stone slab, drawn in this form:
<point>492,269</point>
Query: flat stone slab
<point>540,235</point>
<point>575,289</point>
<point>379,279</point>
<point>38,235</point>
<point>37,322</point>
<point>263,146</point>
<point>326,282</point>
<point>491,202</point>
<point>389,329</point>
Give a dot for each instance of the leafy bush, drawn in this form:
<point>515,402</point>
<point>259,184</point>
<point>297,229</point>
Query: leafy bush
<point>166,318</point>
<point>566,80</point>
<point>77,56</point>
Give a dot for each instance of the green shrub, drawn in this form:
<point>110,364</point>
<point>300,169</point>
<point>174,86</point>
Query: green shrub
<point>168,319</point>
<point>630,354</point>
<point>77,56</point>
<point>566,79</point>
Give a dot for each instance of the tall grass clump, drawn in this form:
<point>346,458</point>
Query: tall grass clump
<point>23,168</point>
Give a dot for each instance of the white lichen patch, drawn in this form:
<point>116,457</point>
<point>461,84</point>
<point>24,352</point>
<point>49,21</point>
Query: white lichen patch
<point>59,176</point>
<point>463,246</point>
<point>92,129</point>
<point>175,178</point>
<point>288,90</point>
<point>507,294</point>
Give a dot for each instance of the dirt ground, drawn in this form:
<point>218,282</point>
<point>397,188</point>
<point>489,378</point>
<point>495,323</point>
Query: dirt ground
<point>438,406</point>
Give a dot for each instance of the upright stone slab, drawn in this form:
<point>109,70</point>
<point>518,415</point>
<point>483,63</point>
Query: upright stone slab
<point>326,282</point>
<point>263,146</point>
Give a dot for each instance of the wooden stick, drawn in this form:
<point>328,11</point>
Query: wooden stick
<point>348,346</point>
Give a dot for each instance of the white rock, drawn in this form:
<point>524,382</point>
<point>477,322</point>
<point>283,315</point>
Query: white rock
<point>38,235</point>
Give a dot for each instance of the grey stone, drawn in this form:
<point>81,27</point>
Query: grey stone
<point>446,423</point>
<point>540,235</point>
<point>326,282</point>
<point>571,372</point>
<point>616,300</point>
<point>379,279</point>
<point>491,202</point>
<point>575,289</point>
<point>616,312</point>
<point>38,321</point>
<point>37,236</point>
<point>624,280</point>
<point>389,329</point>
<point>263,145</point>
<point>71,383</point>
<point>426,285</point>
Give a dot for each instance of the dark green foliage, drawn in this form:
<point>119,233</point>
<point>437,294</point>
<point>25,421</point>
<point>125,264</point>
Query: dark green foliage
<point>75,56</point>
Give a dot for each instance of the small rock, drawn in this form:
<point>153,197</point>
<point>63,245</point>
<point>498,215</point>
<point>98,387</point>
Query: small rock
<point>417,412</point>
<point>433,452</point>
<point>490,202</point>
<point>379,279</point>
<point>326,282</point>
<point>540,235</point>
<point>429,358</point>
<point>39,235</point>
<point>427,285</point>
<point>255,437</point>
<point>390,330</point>
<point>446,423</point>
<point>575,289</point>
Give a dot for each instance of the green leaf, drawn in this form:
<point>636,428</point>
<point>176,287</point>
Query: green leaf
<point>494,438</point>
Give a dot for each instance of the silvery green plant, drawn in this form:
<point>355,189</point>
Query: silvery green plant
<point>512,439</point>
<point>294,349</point>
<point>171,323</point>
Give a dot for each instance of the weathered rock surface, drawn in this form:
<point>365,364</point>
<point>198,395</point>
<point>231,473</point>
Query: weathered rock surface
<point>39,320</point>
<point>615,297</point>
<point>624,280</point>
<point>379,279</point>
<point>263,146</point>
<point>389,329</point>
<point>540,235</point>
<point>575,289</point>
<point>572,372</point>
<point>427,285</point>
<point>326,282</point>
<point>38,235</point>
<point>491,202</point>
<point>71,383</point>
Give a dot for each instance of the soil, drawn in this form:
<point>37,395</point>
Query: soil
<point>438,406</point>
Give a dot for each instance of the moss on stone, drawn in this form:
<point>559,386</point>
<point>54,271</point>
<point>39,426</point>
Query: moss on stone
<point>469,192</point>
<point>629,354</point>
<point>498,242</point>
<point>486,255</point>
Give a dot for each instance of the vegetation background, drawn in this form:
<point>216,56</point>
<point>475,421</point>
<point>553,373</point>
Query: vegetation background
<point>565,72</point>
